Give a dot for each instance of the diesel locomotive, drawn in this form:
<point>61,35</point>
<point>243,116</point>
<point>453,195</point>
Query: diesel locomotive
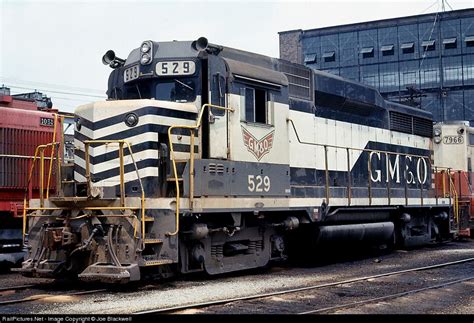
<point>210,159</point>
<point>27,121</point>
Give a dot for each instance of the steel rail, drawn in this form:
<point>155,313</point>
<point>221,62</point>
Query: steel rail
<point>2,289</point>
<point>375,299</point>
<point>300,289</point>
<point>43,296</point>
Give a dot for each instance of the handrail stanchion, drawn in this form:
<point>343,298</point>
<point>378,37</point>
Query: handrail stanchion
<point>58,165</point>
<point>122,170</point>
<point>88,169</point>
<point>388,178</point>
<point>191,171</point>
<point>405,185</point>
<point>369,179</point>
<point>421,191</point>
<point>326,169</point>
<point>191,161</point>
<point>349,178</point>
<point>41,192</point>
<point>52,155</point>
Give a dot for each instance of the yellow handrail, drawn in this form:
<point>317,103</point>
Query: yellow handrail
<point>455,197</point>
<point>52,155</point>
<point>40,149</point>
<point>191,161</point>
<point>87,143</point>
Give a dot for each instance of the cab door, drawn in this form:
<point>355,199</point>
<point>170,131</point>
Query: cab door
<point>218,119</point>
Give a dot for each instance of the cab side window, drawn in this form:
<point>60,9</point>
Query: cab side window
<point>255,107</point>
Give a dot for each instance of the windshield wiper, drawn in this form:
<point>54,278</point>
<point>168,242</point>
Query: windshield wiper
<point>185,85</point>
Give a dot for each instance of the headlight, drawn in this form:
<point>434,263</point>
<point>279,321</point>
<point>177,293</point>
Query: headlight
<point>437,140</point>
<point>145,59</point>
<point>437,132</point>
<point>145,47</point>
<point>131,119</point>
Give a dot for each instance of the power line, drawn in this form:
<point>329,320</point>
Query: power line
<point>58,86</point>
<point>448,4</point>
<point>60,92</point>
<point>436,2</point>
<point>69,99</point>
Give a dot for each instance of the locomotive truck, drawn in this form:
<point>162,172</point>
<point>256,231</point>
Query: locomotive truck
<point>206,158</point>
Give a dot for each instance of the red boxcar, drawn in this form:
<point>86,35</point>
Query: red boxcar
<point>27,120</point>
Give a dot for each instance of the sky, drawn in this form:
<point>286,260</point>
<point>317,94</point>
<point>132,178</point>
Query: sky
<point>56,47</point>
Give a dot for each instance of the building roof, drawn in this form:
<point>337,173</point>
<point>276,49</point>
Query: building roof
<point>391,22</point>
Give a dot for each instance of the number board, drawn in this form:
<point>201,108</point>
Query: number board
<point>453,140</point>
<point>231,178</point>
<point>47,122</point>
<point>130,74</point>
<point>171,68</point>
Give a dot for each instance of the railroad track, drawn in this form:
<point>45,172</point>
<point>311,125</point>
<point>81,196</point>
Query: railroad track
<point>18,287</point>
<point>37,297</point>
<point>385,297</point>
<point>325,285</point>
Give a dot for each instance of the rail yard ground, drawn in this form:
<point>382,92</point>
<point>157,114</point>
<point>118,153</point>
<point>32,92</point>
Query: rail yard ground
<point>443,290</point>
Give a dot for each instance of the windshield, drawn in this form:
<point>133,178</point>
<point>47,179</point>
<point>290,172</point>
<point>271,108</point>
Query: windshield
<point>175,90</point>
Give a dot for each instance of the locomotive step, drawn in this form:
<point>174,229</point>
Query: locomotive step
<point>159,262</point>
<point>172,179</point>
<point>152,241</point>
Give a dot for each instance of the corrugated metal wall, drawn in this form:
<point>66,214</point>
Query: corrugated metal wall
<point>17,144</point>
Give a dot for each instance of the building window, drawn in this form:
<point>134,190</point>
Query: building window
<point>408,48</point>
<point>310,59</point>
<point>388,81</point>
<point>452,74</point>
<point>469,41</point>
<point>329,57</point>
<point>408,79</point>
<point>367,52</point>
<point>387,50</point>
<point>255,105</point>
<point>428,45</point>
<point>450,43</point>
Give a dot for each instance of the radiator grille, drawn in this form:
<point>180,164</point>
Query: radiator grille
<point>413,125</point>
<point>401,122</point>
<point>16,145</point>
<point>299,79</point>
<point>422,127</point>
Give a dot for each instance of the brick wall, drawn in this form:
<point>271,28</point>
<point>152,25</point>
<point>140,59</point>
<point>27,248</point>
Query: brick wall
<point>290,46</point>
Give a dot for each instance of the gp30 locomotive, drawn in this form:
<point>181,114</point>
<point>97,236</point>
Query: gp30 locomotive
<point>208,158</point>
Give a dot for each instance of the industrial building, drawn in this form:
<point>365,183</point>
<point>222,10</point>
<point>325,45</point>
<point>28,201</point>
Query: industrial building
<point>424,60</point>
